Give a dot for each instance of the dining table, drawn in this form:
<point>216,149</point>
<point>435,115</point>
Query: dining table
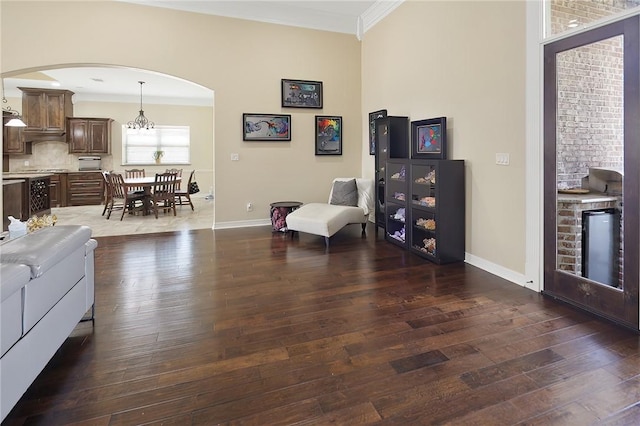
<point>146,183</point>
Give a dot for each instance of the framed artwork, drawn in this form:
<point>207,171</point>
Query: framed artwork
<point>429,138</point>
<point>266,127</point>
<point>373,116</point>
<point>301,93</point>
<point>328,135</point>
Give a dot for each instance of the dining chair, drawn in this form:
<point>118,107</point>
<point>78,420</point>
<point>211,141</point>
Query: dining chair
<point>107,190</point>
<point>135,173</point>
<point>185,192</point>
<point>163,194</point>
<point>128,201</point>
<point>178,172</point>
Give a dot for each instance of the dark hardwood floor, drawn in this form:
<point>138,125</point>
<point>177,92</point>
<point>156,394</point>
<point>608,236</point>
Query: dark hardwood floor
<point>248,327</point>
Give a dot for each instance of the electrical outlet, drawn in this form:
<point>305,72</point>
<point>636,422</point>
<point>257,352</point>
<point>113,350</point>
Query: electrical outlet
<point>235,157</point>
<point>26,162</point>
<point>249,207</point>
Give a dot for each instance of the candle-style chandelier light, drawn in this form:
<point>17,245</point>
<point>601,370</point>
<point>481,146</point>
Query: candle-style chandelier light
<point>141,122</point>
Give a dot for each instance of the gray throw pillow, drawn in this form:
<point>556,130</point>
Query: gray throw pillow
<point>345,193</point>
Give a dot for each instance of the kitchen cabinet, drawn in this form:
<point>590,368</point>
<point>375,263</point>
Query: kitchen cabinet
<point>12,142</point>
<point>58,190</point>
<point>89,135</point>
<point>35,193</point>
<point>45,112</point>
<point>11,201</point>
<point>85,188</point>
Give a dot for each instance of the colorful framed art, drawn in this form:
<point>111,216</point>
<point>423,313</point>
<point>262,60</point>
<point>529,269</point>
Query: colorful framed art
<point>266,127</point>
<point>429,138</point>
<point>301,93</point>
<point>328,135</point>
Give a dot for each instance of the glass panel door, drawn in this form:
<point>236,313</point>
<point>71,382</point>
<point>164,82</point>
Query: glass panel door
<point>591,170</point>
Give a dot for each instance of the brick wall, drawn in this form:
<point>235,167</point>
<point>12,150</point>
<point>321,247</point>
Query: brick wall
<point>590,95</point>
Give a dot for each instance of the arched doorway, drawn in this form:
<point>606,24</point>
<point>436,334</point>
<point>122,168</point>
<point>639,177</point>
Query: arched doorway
<point>105,90</point>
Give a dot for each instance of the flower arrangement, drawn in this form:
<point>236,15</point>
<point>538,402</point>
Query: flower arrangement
<point>157,155</point>
<point>34,223</point>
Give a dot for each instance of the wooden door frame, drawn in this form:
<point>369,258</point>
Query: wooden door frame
<point>584,293</point>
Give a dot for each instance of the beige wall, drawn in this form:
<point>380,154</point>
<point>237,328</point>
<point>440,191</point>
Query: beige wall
<point>465,61</point>
<point>242,61</point>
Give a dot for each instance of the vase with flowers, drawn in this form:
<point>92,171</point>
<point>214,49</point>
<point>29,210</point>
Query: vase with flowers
<point>157,155</point>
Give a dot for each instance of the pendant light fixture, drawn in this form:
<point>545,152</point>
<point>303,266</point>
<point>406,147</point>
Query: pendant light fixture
<point>16,120</point>
<point>141,122</point>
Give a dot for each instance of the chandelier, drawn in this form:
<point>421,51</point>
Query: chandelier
<point>16,121</point>
<point>141,122</point>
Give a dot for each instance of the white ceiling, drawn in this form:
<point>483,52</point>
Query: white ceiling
<point>117,84</point>
<point>114,84</point>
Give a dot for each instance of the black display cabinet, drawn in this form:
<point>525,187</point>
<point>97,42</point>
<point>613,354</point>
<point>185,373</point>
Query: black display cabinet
<point>391,142</point>
<point>437,210</point>
<point>396,196</point>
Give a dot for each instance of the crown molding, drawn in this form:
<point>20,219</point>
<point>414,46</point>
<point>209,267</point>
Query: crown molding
<point>375,14</point>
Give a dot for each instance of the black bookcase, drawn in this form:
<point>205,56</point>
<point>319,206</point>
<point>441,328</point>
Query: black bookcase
<point>436,200</point>
<point>391,142</point>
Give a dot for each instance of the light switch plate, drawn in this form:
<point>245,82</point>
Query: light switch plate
<point>502,159</point>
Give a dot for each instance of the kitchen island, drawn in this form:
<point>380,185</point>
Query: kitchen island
<point>35,193</point>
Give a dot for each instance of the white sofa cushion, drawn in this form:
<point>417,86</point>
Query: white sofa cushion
<point>12,280</point>
<point>45,248</point>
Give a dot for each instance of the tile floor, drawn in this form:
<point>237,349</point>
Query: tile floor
<point>200,218</point>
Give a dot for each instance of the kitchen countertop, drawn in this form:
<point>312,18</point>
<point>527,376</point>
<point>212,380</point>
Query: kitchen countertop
<point>591,197</point>
<point>31,175</point>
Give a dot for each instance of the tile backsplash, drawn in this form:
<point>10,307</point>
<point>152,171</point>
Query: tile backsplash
<point>51,155</point>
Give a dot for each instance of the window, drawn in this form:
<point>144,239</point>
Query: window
<point>138,146</point>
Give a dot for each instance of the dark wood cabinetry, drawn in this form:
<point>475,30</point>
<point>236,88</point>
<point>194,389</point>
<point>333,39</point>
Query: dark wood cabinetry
<point>12,203</point>
<point>391,142</point>
<point>89,135</point>
<point>45,112</point>
<point>35,197</point>
<point>437,210</point>
<point>84,188</point>
<point>58,190</point>
<point>12,142</point>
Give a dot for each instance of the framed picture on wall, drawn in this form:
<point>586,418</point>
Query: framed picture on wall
<point>429,138</point>
<point>301,93</point>
<point>266,127</point>
<point>328,135</point>
<point>373,116</point>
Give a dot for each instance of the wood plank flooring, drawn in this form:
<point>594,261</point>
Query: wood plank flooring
<point>243,326</point>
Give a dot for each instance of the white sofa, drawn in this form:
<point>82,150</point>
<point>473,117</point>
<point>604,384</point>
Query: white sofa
<point>325,219</point>
<point>46,287</point>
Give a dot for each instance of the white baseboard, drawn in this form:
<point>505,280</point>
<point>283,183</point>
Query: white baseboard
<point>501,271</point>
<point>241,224</point>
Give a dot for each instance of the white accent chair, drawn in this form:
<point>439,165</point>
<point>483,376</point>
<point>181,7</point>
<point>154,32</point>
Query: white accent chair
<point>326,219</point>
